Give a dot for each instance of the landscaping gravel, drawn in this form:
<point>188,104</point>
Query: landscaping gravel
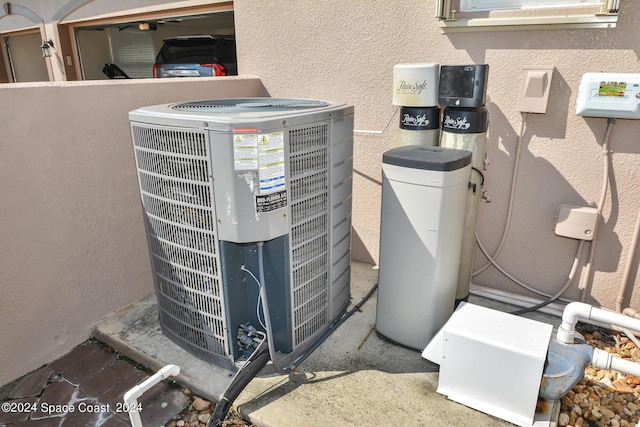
<point>604,397</point>
<point>198,414</point>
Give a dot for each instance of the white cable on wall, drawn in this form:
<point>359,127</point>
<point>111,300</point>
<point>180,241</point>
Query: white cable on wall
<point>518,281</point>
<point>586,276</point>
<point>585,280</point>
<point>563,289</point>
<point>514,180</point>
<point>379,132</point>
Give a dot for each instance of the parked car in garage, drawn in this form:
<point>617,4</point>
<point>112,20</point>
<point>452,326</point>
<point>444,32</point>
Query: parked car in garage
<point>196,56</point>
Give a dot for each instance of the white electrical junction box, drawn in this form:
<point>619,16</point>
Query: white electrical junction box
<point>576,222</point>
<point>612,95</point>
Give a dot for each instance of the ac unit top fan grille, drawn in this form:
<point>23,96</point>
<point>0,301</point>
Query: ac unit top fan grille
<point>242,105</point>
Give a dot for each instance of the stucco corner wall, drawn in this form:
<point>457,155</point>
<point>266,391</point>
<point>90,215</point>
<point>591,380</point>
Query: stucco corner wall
<point>345,51</point>
<point>72,242</point>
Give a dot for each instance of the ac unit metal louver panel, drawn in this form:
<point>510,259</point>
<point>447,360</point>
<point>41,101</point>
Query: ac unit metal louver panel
<point>173,170</point>
<point>308,166</point>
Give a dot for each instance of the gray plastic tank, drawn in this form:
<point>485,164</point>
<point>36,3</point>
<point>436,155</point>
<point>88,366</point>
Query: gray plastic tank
<point>424,192</point>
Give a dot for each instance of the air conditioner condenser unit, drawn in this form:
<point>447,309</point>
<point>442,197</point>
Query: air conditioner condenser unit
<point>220,178</point>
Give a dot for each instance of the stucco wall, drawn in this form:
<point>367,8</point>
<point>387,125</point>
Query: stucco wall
<point>70,254</point>
<point>345,51</point>
<point>72,244</point>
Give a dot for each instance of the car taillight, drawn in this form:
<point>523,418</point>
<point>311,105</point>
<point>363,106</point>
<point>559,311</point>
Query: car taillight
<point>218,69</point>
<point>155,70</point>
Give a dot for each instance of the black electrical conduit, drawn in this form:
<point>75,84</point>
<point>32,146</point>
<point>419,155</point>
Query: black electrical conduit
<point>261,356</point>
<point>258,359</point>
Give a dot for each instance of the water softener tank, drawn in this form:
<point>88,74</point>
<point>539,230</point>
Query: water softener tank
<point>424,192</point>
<point>419,126</point>
<point>466,129</point>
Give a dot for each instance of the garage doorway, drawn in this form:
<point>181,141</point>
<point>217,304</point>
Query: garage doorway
<point>26,63</point>
<point>132,46</point>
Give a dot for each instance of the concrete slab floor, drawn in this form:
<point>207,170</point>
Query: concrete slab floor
<point>356,377</point>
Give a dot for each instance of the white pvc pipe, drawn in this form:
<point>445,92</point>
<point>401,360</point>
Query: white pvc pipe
<point>626,278</point>
<point>577,310</point>
<point>131,397</point>
<point>600,359</point>
<point>377,132</point>
<point>604,360</point>
<point>555,308</point>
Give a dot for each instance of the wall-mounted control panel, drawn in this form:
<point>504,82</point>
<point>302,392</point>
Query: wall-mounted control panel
<point>611,95</point>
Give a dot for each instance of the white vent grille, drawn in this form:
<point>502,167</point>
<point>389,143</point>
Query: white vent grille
<point>174,174</point>
<point>308,166</point>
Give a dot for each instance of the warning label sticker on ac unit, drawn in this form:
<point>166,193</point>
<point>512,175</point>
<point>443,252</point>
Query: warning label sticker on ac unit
<point>245,152</point>
<point>271,173</point>
<point>271,202</point>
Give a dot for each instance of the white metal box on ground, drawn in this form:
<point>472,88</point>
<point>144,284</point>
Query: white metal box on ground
<point>220,178</point>
<point>491,361</point>
<point>424,193</point>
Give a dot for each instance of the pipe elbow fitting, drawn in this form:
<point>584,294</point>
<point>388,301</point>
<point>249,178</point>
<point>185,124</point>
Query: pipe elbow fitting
<point>170,371</point>
<point>575,311</point>
<point>570,316</point>
<point>131,396</point>
<point>165,372</point>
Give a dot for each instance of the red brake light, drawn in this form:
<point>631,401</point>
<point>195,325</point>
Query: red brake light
<point>218,69</point>
<point>155,70</point>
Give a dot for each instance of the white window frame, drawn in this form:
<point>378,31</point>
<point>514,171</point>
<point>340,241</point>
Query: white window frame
<point>604,15</point>
<point>486,5</point>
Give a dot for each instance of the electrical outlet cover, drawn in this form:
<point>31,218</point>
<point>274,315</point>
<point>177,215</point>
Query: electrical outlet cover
<point>535,88</point>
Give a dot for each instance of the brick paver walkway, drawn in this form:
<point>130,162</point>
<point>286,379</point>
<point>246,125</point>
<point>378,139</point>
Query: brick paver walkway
<point>85,388</point>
